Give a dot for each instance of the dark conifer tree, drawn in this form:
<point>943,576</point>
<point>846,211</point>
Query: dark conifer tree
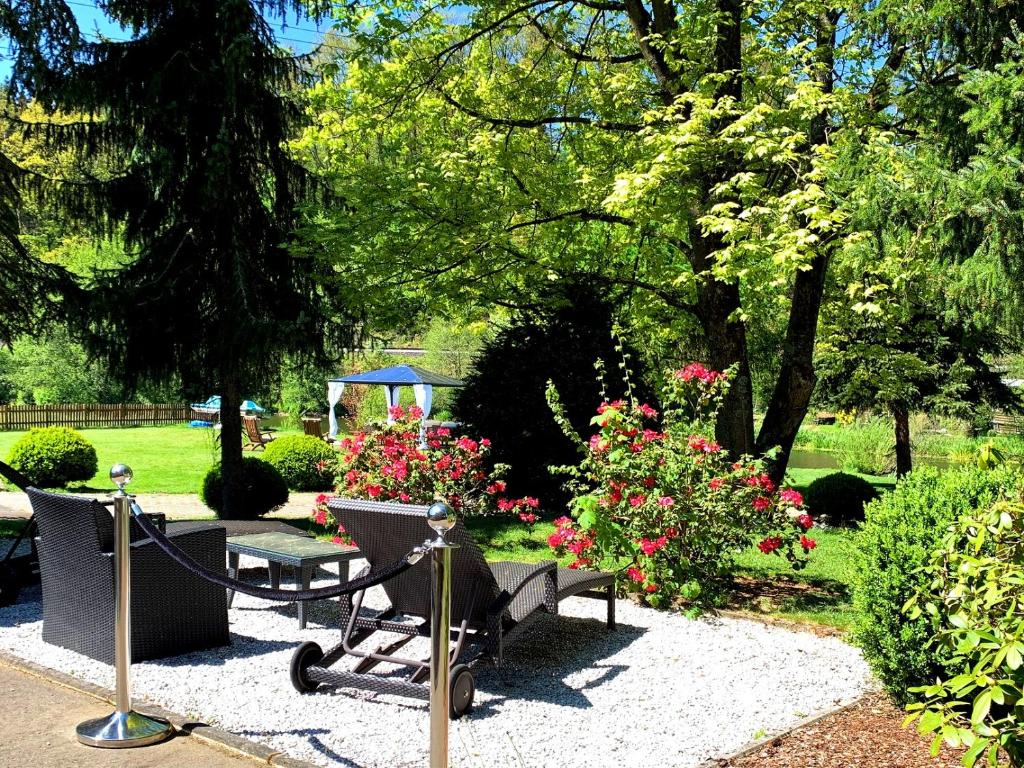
<point>191,114</point>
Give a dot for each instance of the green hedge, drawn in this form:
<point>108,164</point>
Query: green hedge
<point>840,497</point>
<point>52,457</point>
<point>305,463</point>
<point>263,489</point>
<point>901,530</point>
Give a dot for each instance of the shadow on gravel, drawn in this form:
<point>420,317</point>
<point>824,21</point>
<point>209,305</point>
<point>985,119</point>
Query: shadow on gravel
<point>312,737</point>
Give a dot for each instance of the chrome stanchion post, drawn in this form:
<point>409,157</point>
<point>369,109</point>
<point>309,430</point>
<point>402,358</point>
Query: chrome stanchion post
<point>124,727</point>
<point>441,518</point>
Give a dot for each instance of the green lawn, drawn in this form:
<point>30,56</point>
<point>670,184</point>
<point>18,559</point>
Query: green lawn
<point>171,459</point>
<point>801,478</point>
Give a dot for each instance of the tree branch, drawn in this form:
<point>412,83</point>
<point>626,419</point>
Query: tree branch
<point>540,122</point>
<point>579,55</point>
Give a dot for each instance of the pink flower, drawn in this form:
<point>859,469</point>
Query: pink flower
<point>761,503</point>
<point>396,412</point>
<point>650,435</point>
<point>807,544</point>
<point>373,491</point>
<point>320,518</point>
<point>636,447</point>
<point>637,499</point>
<point>485,443</point>
<point>337,540</point>
<point>557,539</point>
<point>635,574</point>
<point>563,522</point>
<point>528,517</point>
<point>404,497</point>
<point>597,445</point>
<point>646,411</point>
<point>716,483</point>
<point>321,499</point>
<point>580,562</point>
<point>806,521</point>
<point>666,501</point>
<point>697,443</point>
<point>531,502</point>
<point>700,373</point>
<point>792,497</point>
<point>650,547</point>
<point>770,544</point>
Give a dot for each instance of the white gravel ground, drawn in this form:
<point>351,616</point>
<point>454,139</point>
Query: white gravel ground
<point>662,690</point>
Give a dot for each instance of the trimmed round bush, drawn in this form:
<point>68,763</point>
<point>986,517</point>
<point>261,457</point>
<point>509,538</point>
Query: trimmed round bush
<point>900,532</point>
<point>52,457</point>
<point>263,489</point>
<point>305,463</point>
<point>840,497</point>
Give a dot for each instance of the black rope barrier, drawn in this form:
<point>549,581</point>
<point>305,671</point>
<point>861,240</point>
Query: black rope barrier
<point>371,579</point>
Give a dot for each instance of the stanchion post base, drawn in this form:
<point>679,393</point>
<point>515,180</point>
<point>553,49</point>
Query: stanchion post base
<point>120,730</point>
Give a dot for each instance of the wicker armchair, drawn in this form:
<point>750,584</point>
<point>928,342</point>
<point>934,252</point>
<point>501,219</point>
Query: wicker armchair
<point>173,611</point>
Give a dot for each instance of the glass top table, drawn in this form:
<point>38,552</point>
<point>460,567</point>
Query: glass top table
<point>299,552</point>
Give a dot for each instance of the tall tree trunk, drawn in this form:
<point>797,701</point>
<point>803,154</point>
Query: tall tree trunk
<point>901,416</point>
<point>231,445</point>
<point>795,385</point>
<point>727,345</point>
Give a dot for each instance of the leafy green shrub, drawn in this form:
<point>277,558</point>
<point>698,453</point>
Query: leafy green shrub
<point>305,463</point>
<point>840,497</point>
<point>900,532</point>
<point>263,489</point>
<point>504,399</point>
<point>52,457</point>
<point>866,447</point>
<point>973,601</point>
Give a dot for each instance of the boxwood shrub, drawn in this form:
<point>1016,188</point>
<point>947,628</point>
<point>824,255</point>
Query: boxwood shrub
<point>263,489</point>
<point>305,463</point>
<point>901,530</point>
<point>52,457</point>
<point>840,497</point>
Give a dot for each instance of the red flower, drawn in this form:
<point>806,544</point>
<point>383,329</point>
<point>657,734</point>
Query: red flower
<point>404,497</point>
<point>485,443</point>
<point>557,539</point>
<point>415,412</point>
<point>396,412</point>
<point>636,447</point>
<point>807,544</point>
<point>531,502</point>
<point>806,521</point>
<point>651,588</point>
<point>697,443</point>
<point>563,522</point>
<point>528,517</point>
<point>649,482</point>
<point>650,547</point>
<point>792,497</point>
<point>671,532</point>
<point>700,373</point>
<point>716,483</point>
<point>321,499</point>
<point>647,411</point>
<point>320,518</point>
<point>635,574</point>
<point>761,503</point>
<point>770,544</point>
<point>637,499</point>
<point>373,491</point>
<point>650,435</point>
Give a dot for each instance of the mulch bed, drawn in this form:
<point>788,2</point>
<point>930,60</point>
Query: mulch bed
<point>865,735</point>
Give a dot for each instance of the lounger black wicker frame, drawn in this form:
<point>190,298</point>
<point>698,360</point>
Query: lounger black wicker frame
<point>491,604</point>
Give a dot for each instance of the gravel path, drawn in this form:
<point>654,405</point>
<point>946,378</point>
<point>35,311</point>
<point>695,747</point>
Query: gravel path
<point>661,690</point>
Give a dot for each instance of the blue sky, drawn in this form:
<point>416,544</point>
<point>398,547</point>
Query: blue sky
<point>299,34</point>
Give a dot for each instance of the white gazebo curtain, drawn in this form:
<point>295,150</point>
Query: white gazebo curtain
<point>334,392</point>
<point>424,399</point>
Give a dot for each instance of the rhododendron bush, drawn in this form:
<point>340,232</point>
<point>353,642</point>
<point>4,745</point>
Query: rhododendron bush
<point>656,497</point>
<point>393,465</point>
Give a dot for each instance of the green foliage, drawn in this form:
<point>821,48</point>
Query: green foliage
<point>305,462</point>
<point>973,602</point>
<point>840,497</point>
<point>900,532</point>
<point>52,457</point>
<point>450,349</point>
<point>55,369</point>
<point>504,400</point>
<point>263,489</point>
<point>866,447</point>
<point>662,500</point>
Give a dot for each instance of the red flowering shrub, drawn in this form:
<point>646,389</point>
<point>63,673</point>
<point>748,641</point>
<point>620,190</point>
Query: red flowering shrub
<point>393,465</point>
<point>661,500</point>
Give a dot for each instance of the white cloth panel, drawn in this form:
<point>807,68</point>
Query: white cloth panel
<point>391,394</point>
<point>424,399</point>
<point>334,392</point>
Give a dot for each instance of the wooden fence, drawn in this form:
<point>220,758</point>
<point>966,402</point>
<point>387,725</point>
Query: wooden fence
<point>13,417</point>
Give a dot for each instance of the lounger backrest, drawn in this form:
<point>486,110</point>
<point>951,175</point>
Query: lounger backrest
<point>385,532</point>
<point>252,429</point>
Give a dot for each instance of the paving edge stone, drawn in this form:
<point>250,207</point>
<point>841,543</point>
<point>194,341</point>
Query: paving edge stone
<point>217,738</point>
<point>753,746</point>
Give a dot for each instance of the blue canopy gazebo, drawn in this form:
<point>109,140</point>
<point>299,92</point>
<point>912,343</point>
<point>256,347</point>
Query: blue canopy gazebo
<point>421,380</point>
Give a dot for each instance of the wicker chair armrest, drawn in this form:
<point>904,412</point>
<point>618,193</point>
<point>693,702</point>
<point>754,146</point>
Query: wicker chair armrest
<point>504,600</point>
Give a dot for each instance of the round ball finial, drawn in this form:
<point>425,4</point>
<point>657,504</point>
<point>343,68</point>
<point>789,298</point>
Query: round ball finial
<point>440,517</point>
<point>121,474</point>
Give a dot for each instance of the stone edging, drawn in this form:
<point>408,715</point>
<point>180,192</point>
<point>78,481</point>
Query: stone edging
<point>757,744</point>
<point>217,738</point>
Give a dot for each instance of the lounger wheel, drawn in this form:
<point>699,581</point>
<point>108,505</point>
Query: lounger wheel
<point>10,584</point>
<point>461,688</point>
<point>305,656</point>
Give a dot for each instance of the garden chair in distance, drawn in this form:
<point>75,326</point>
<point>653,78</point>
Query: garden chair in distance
<point>491,603</point>
<point>313,427</point>
<point>257,437</point>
